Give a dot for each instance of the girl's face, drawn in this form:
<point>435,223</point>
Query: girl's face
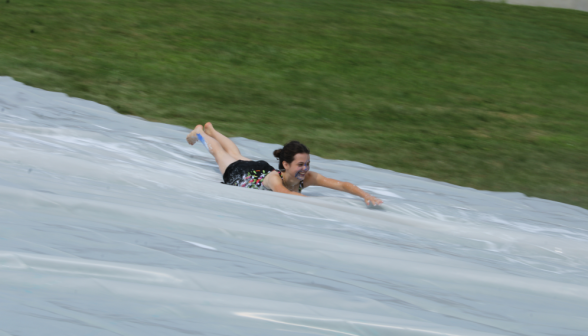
<point>299,166</point>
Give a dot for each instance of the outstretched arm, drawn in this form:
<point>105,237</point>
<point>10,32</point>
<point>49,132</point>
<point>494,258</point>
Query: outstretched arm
<point>314,178</point>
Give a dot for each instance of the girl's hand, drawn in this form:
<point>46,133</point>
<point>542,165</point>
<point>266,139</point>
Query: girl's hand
<point>371,199</point>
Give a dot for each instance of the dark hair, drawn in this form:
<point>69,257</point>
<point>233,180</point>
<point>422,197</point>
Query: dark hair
<point>288,152</point>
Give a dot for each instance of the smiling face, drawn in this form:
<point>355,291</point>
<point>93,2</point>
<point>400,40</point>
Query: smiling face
<point>299,166</point>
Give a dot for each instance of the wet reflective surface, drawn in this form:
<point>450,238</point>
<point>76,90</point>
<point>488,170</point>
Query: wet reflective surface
<point>111,225</point>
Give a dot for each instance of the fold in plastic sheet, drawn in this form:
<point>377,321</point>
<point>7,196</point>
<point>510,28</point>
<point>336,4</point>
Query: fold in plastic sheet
<point>112,225</point>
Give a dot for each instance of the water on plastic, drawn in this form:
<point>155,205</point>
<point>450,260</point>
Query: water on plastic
<point>112,225</point>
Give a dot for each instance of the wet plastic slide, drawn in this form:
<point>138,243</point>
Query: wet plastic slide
<point>112,225</point>
<point>581,5</point>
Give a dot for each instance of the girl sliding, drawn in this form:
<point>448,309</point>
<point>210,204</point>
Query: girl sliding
<point>294,167</point>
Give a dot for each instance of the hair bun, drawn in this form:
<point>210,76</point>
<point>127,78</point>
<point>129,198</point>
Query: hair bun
<point>277,153</point>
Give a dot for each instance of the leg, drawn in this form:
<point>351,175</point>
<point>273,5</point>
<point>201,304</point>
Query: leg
<point>227,144</point>
<point>223,159</point>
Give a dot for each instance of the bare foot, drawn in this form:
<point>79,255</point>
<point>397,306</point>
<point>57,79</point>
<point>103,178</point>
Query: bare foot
<point>192,138</point>
<point>208,129</point>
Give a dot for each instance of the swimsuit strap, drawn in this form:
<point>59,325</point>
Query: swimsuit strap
<point>300,186</point>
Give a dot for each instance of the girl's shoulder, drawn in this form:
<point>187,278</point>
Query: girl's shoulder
<point>311,178</point>
<point>274,175</point>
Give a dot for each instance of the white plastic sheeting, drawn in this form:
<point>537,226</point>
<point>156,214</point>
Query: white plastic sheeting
<point>112,225</point>
<point>581,5</point>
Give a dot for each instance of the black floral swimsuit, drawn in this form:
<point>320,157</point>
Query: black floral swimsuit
<point>250,174</point>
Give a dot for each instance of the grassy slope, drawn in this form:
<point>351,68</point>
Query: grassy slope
<point>477,94</point>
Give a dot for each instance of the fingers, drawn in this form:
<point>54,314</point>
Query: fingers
<point>374,201</point>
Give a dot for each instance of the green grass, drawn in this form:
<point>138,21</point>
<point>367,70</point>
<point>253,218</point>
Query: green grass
<point>484,95</point>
